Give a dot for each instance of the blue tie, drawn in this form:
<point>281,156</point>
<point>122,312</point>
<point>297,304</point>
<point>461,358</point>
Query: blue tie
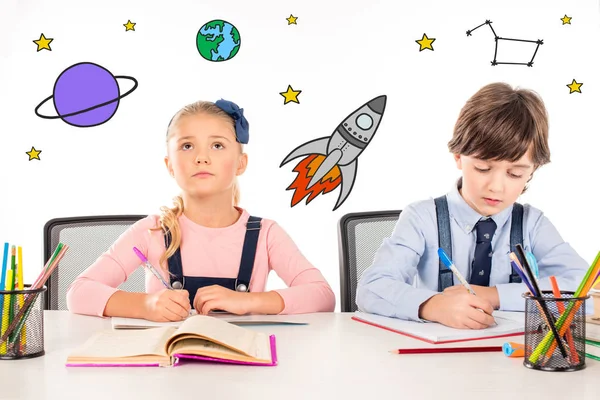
<point>482,262</point>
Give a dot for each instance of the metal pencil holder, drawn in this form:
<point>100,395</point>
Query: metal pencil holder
<point>22,323</point>
<point>541,349</point>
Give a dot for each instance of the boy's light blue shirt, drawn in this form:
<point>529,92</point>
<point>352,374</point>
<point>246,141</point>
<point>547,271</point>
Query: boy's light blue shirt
<point>386,287</point>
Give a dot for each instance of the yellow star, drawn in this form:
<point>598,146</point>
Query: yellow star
<point>291,95</point>
<point>292,20</point>
<point>566,20</point>
<point>129,26</point>
<point>33,154</point>
<point>43,43</point>
<point>425,43</point>
<point>574,86</point>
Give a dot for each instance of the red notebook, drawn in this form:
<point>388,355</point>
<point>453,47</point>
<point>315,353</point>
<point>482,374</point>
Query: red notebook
<point>508,324</point>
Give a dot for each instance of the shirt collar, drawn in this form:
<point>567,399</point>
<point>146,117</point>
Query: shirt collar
<point>466,217</point>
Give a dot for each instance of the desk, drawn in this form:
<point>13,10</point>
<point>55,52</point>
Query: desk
<point>333,357</point>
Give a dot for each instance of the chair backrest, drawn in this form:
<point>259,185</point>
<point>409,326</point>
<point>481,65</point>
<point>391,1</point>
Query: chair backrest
<point>359,237</point>
<point>87,238</point>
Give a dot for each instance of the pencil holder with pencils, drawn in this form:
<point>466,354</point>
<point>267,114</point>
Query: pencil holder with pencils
<point>22,323</point>
<point>546,316</point>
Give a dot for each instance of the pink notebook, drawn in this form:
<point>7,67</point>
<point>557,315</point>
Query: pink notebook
<point>180,359</point>
<point>199,338</point>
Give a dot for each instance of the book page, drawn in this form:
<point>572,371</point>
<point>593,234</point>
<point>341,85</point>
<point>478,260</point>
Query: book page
<point>250,343</point>
<point>201,347</point>
<point>125,343</point>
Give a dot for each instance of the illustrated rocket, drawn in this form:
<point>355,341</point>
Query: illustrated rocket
<point>342,148</point>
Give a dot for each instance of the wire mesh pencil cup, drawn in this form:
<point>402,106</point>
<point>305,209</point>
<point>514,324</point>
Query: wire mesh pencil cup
<point>568,315</point>
<point>22,323</point>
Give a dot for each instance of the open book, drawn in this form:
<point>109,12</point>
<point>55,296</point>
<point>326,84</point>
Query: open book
<point>508,324</point>
<point>199,338</point>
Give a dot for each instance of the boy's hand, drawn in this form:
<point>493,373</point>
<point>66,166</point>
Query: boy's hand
<point>489,293</point>
<point>167,305</point>
<point>217,297</point>
<point>458,309</point>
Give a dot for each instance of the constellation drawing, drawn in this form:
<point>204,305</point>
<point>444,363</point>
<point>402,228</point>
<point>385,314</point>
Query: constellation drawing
<point>498,38</point>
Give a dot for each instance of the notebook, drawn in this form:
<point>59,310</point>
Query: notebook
<point>135,323</point>
<point>199,337</point>
<point>592,349</point>
<point>595,319</point>
<point>592,332</point>
<point>508,324</point>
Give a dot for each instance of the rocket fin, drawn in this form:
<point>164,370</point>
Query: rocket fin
<point>348,177</point>
<point>316,146</point>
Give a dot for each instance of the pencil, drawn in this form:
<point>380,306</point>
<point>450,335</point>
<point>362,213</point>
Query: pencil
<point>21,283</point>
<point>561,308</point>
<point>549,318</point>
<point>565,319</point>
<point>449,350</point>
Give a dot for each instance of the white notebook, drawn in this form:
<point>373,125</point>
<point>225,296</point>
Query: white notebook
<point>508,324</point>
<point>135,323</point>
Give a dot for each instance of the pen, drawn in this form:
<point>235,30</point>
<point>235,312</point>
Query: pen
<point>533,263</point>
<point>151,268</point>
<point>449,350</point>
<point>450,265</point>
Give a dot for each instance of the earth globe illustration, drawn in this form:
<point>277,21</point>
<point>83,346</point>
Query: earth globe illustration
<point>86,94</point>
<point>218,40</point>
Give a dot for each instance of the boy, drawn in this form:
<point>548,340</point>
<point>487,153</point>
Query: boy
<point>500,139</point>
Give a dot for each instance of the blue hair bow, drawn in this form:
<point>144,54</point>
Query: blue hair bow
<point>241,123</point>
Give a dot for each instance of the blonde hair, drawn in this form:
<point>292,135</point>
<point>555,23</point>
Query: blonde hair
<point>169,218</point>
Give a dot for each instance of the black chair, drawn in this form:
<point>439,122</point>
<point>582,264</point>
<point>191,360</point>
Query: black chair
<point>359,237</point>
<point>87,238</point>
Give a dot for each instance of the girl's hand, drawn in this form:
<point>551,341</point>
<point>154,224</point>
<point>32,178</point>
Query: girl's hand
<point>217,297</point>
<point>167,305</point>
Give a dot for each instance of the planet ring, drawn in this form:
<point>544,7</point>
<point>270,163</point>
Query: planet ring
<point>135,84</point>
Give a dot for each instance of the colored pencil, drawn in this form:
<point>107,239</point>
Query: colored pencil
<point>546,346</point>
<point>449,350</point>
<point>21,283</point>
<point>3,278</point>
<point>17,324</point>
<point>549,318</point>
<point>561,308</point>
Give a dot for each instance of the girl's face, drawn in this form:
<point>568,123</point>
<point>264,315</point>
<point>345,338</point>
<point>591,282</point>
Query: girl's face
<point>203,155</point>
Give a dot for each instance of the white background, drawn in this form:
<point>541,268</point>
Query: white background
<point>340,54</point>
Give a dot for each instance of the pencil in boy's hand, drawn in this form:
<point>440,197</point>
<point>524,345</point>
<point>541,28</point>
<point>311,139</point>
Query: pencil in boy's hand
<point>450,265</point>
<point>479,349</point>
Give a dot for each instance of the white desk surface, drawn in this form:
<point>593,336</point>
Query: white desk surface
<point>333,357</point>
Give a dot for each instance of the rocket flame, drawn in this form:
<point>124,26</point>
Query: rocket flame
<point>306,169</point>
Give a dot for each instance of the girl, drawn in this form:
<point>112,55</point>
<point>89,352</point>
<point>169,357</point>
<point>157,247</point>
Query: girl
<point>207,246</point>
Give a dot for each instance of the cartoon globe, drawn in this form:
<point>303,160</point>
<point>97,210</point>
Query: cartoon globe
<point>218,40</point>
<point>86,94</point>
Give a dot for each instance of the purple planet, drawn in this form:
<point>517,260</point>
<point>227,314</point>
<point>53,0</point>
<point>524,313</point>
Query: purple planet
<point>86,94</point>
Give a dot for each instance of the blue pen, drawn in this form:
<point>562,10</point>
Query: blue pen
<point>450,265</point>
<point>533,263</point>
<point>3,277</point>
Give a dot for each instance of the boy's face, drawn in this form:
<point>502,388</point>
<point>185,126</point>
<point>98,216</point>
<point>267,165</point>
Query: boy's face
<point>491,186</point>
<point>203,155</point>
